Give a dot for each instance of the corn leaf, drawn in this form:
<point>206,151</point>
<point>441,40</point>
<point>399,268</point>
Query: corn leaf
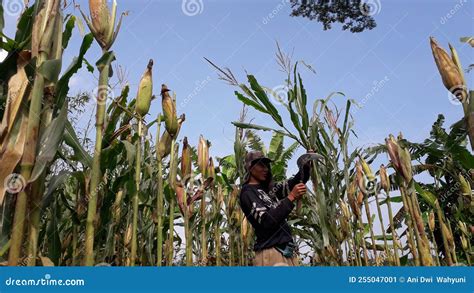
<point>62,87</point>
<point>53,184</point>
<point>71,140</point>
<point>68,30</point>
<point>259,127</point>
<point>296,122</point>
<point>24,27</point>
<point>262,96</point>
<point>250,102</point>
<point>49,143</point>
<point>54,242</point>
<point>114,116</point>
<point>302,104</point>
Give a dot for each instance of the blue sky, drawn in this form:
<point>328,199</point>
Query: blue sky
<point>241,35</point>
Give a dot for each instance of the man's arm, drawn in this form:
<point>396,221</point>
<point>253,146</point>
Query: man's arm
<point>281,191</point>
<point>267,218</point>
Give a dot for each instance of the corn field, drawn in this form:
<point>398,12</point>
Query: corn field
<point>154,198</point>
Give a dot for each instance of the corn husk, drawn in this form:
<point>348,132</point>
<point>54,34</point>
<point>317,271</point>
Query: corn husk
<point>449,70</point>
<point>360,177</point>
<point>384,179</point>
<point>100,16</point>
<point>392,148</point>
<point>405,163</point>
<point>145,91</point>
<point>447,233</point>
<point>128,235</point>
<point>203,155</point>
<point>211,173</point>
<point>457,62</point>
<point>164,147</point>
<point>244,228</point>
<point>360,198</point>
<point>351,198</point>
<point>463,227</point>
<point>169,111</point>
<point>464,242</point>
<point>186,163</point>
<point>344,209</point>
<point>366,168</point>
<point>431,221</point>
<point>465,187</point>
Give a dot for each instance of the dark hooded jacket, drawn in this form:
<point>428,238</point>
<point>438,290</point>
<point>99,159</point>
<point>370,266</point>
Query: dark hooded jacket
<point>266,206</point>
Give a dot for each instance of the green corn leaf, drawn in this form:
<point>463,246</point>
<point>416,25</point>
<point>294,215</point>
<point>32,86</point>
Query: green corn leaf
<point>71,140</point>
<point>250,102</point>
<point>68,30</point>
<point>262,96</point>
<point>53,184</point>
<point>302,100</point>
<point>259,127</point>
<point>24,27</point>
<point>62,87</point>
<point>54,241</point>
<point>130,149</point>
<point>115,112</point>
<point>49,144</point>
<point>346,117</point>
<point>296,122</point>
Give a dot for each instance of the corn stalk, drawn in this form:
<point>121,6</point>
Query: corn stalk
<point>44,27</point>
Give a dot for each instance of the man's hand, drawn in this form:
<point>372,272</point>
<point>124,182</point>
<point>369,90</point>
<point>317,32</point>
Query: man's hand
<point>298,191</point>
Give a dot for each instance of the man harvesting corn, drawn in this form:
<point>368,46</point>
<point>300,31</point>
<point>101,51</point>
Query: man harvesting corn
<point>267,205</point>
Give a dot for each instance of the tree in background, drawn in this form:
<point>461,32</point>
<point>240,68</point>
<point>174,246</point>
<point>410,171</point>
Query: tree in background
<point>355,15</point>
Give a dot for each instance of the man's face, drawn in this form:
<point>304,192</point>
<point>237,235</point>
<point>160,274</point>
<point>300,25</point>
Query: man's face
<point>259,171</point>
